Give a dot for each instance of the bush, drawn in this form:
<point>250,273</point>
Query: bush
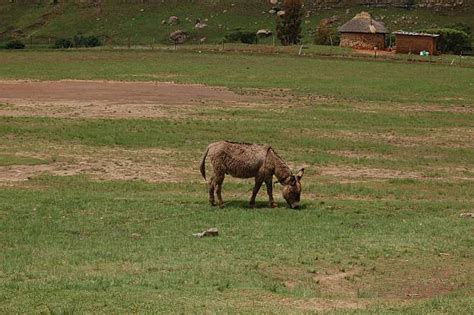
<point>451,40</point>
<point>83,41</point>
<point>409,3</point>
<point>78,41</point>
<point>245,37</point>
<point>460,27</point>
<point>15,44</point>
<point>325,35</point>
<point>62,43</point>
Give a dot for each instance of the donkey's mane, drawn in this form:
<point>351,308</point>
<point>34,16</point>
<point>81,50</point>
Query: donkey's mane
<point>244,143</point>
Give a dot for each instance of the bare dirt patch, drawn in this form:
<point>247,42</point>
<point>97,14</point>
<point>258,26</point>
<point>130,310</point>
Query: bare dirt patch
<point>293,304</point>
<point>151,165</point>
<point>338,282</point>
<point>406,280</point>
<point>111,99</point>
<point>364,173</point>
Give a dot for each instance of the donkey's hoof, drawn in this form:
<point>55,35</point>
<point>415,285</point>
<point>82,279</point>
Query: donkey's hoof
<point>273,205</point>
<point>221,205</point>
<point>252,206</point>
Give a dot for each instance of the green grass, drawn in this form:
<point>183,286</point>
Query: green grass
<point>350,79</point>
<point>397,244</point>
<point>6,160</point>
<point>120,247</point>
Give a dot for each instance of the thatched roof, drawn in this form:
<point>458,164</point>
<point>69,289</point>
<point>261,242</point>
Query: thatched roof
<point>363,23</point>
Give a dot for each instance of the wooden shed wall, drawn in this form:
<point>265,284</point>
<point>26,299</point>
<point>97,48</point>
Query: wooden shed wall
<point>415,44</point>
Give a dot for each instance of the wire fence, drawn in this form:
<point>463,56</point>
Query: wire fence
<point>268,46</point>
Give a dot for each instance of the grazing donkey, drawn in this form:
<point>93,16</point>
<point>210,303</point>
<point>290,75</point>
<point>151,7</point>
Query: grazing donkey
<point>244,160</point>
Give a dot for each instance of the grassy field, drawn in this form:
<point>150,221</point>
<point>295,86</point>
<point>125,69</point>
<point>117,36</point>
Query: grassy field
<point>351,79</point>
<point>389,169</point>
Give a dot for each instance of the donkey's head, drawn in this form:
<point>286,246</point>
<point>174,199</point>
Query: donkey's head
<point>292,189</point>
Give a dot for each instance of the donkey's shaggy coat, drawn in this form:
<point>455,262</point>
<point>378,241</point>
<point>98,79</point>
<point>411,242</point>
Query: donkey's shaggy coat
<point>244,160</point>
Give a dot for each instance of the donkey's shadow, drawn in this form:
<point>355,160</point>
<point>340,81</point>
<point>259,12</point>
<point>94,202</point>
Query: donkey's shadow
<point>244,204</point>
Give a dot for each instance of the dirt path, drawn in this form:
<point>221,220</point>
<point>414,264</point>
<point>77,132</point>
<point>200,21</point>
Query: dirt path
<point>110,99</point>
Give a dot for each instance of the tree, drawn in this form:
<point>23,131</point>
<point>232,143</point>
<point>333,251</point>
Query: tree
<point>325,34</point>
<point>409,3</point>
<point>451,40</point>
<point>289,21</point>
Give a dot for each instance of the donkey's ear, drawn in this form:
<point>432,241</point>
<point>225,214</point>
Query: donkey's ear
<point>292,180</point>
<point>300,174</point>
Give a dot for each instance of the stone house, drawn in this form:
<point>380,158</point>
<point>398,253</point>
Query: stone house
<point>362,32</point>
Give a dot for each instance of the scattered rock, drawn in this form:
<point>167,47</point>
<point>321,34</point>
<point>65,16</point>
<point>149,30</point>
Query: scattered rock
<point>200,25</point>
<point>208,232</point>
<point>281,13</point>
<point>136,236</point>
<point>173,20</point>
<point>467,215</point>
<point>179,36</point>
<point>264,33</point>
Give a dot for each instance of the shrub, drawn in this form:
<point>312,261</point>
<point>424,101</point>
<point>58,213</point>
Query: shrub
<point>248,37</point>
<point>78,41</point>
<point>451,40</point>
<point>15,44</point>
<point>93,41</point>
<point>326,35</point>
<point>245,37</point>
<point>86,41</point>
<point>460,27</point>
<point>62,43</point>
<point>409,3</point>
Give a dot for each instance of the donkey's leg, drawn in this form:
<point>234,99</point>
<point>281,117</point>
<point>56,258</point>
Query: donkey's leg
<point>211,191</point>
<point>271,202</point>
<point>256,188</point>
<point>219,180</point>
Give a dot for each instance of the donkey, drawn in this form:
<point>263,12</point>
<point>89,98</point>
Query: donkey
<point>245,160</point>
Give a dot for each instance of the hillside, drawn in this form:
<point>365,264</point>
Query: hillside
<point>145,22</point>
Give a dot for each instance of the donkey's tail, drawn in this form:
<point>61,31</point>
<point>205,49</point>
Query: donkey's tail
<point>203,163</point>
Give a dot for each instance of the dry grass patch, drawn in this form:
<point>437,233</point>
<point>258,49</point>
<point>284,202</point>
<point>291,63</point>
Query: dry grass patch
<point>410,279</point>
<point>151,165</point>
<point>351,174</point>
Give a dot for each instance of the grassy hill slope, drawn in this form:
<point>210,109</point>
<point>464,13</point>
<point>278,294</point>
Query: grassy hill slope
<point>142,23</point>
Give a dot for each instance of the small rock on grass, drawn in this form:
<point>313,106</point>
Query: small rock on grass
<point>467,215</point>
<point>208,232</point>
